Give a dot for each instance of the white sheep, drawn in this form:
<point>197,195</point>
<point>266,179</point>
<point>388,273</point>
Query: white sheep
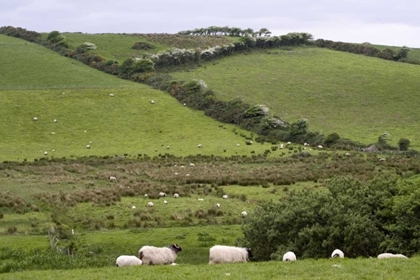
<point>176,195</point>
<point>347,154</point>
<point>289,257</point>
<point>320,147</point>
<point>151,255</point>
<point>150,204</point>
<point>281,146</point>
<point>111,95</point>
<point>112,178</point>
<point>165,201</point>
<point>133,207</point>
<point>146,195</point>
<point>35,118</point>
<point>199,145</point>
<point>152,101</point>
<point>244,214</point>
<point>45,153</point>
<point>162,194</point>
<point>217,205</point>
<point>87,146</point>
<point>225,196</point>
<point>337,253</point>
<point>390,255</point>
<point>55,120</point>
<point>125,260</point>
<point>192,164</point>
<point>229,254</point>
<point>200,199</point>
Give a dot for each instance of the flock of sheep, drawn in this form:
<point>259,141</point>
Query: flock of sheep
<point>150,255</point>
<point>218,254</point>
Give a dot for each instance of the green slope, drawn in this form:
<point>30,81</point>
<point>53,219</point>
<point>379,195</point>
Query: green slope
<point>356,96</point>
<point>32,85</point>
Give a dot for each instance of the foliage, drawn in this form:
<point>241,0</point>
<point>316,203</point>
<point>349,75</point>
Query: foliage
<point>356,217</point>
<point>403,144</point>
<point>54,37</point>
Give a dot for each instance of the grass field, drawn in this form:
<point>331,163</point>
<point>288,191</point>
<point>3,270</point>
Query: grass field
<point>33,84</point>
<point>118,46</point>
<point>336,91</point>
<point>350,269</point>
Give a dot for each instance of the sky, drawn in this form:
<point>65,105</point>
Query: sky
<point>385,22</point>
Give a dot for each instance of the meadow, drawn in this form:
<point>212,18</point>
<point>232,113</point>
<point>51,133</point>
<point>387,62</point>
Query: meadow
<point>335,91</point>
<point>51,184</point>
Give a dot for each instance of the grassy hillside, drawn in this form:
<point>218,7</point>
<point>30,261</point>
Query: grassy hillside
<point>33,84</point>
<point>118,46</point>
<point>356,96</point>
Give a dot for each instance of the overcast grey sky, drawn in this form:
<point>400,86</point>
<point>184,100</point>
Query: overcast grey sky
<point>388,22</point>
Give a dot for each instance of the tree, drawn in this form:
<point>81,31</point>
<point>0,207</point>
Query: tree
<point>403,144</point>
<point>54,37</point>
<point>299,127</point>
<point>351,215</point>
<point>402,53</point>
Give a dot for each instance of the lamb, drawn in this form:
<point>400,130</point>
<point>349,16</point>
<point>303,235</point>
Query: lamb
<point>151,255</point>
<point>289,257</point>
<point>125,260</point>
<point>390,255</point>
<point>150,204</point>
<point>229,254</point>
<point>337,253</point>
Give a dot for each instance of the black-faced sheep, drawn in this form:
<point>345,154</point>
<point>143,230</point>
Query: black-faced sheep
<point>229,254</point>
<point>151,255</point>
<point>289,257</point>
<point>337,253</point>
<point>125,260</point>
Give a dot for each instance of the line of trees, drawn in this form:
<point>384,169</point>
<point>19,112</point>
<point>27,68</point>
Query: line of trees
<point>227,31</point>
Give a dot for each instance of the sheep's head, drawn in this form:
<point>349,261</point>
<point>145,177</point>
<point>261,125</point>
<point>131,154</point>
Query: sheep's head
<point>249,251</point>
<point>175,248</point>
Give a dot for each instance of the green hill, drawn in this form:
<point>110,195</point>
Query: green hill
<point>356,96</point>
<point>32,85</point>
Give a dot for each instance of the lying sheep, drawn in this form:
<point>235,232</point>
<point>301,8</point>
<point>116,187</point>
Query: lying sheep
<point>125,260</point>
<point>337,253</point>
<point>289,257</point>
<point>150,204</point>
<point>229,254</point>
<point>244,214</point>
<point>225,196</point>
<point>151,255</point>
<point>390,255</point>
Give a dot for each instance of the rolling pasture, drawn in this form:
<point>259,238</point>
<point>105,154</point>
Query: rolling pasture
<point>355,96</point>
<point>151,148</point>
<point>37,82</point>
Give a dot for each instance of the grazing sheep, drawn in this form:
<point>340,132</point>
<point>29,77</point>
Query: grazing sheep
<point>199,145</point>
<point>150,204</point>
<point>217,205</point>
<point>281,146</point>
<point>111,95</point>
<point>176,173</point>
<point>165,201</point>
<point>152,101</point>
<point>289,257</point>
<point>64,93</point>
<point>390,255</point>
<point>176,195</point>
<point>87,146</point>
<point>146,195</point>
<point>45,153</point>
<point>200,199</point>
<point>229,254</point>
<point>305,144</point>
<point>187,175</point>
<point>162,194</point>
<point>347,154</point>
<point>53,133</point>
<point>150,255</point>
<point>112,178</point>
<point>337,253</point>
<point>238,145</point>
<point>244,214</point>
<point>192,164</point>
<point>125,260</point>
<point>225,196</point>
<point>167,147</point>
<point>288,143</point>
<point>55,120</point>
<point>133,207</point>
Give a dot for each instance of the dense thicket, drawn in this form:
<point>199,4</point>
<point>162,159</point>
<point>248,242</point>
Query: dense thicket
<point>361,218</point>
